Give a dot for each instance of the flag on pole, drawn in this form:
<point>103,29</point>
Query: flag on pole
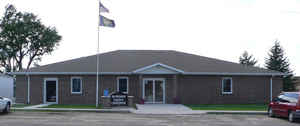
<point>106,22</point>
<point>103,8</point>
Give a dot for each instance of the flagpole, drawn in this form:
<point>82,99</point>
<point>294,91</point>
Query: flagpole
<point>97,74</point>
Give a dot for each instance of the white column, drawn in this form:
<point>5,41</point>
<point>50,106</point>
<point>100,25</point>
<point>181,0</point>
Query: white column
<point>141,87</point>
<point>271,88</point>
<point>28,89</point>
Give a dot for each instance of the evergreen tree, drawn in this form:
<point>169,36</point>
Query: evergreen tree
<point>278,62</point>
<point>247,59</point>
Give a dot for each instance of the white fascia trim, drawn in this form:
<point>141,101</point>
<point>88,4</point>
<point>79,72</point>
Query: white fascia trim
<point>128,73</point>
<point>158,64</point>
<point>156,73</point>
<point>227,73</point>
<point>70,73</point>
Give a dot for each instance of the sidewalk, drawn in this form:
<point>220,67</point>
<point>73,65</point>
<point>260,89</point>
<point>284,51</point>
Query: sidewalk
<point>160,109</point>
<point>38,108</point>
<point>179,109</point>
<point>76,110</point>
<point>176,109</point>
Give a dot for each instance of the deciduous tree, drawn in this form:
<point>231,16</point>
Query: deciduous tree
<point>24,39</point>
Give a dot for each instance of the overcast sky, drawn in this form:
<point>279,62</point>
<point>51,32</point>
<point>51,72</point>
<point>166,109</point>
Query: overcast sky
<point>220,29</point>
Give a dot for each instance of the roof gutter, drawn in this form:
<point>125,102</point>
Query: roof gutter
<point>239,74</point>
<point>133,73</point>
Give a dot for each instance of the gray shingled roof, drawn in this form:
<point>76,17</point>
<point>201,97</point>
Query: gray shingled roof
<point>130,60</point>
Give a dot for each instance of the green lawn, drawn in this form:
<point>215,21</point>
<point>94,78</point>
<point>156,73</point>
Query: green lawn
<point>231,107</point>
<point>72,106</point>
<point>20,105</point>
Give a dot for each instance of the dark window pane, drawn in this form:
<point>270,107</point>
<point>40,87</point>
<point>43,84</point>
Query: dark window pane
<point>51,91</point>
<point>123,85</point>
<point>76,85</point>
<point>226,85</point>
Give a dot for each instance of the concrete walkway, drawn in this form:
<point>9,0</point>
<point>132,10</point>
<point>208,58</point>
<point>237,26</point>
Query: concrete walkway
<point>112,110</point>
<point>173,109</point>
<point>77,110</point>
<point>165,109</point>
<point>36,106</point>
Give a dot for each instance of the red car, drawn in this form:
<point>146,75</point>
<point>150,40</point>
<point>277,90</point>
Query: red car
<point>287,104</point>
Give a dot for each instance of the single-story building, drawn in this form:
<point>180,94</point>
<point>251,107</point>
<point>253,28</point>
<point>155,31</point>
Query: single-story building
<point>152,76</point>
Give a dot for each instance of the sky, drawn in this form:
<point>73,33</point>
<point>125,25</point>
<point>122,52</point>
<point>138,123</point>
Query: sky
<point>221,29</point>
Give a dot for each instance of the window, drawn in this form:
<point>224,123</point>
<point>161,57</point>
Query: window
<point>283,98</point>
<point>291,97</point>
<point>123,84</point>
<point>76,85</point>
<point>227,86</point>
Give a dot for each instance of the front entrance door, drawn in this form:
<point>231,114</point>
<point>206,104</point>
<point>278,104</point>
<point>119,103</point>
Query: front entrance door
<point>154,90</point>
<point>50,91</point>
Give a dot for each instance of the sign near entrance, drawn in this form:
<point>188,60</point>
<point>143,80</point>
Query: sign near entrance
<point>119,99</point>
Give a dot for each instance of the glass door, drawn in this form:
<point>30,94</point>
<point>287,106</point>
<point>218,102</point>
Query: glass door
<point>51,90</point>
<point>148,91</point>
<point>159,91</point>
<point>154,90</point>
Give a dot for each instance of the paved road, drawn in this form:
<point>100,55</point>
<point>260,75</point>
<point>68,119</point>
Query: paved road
<point>111,119</point>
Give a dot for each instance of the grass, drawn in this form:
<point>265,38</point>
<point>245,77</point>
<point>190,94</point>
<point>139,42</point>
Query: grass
<point>20,105</point>
<point>72,106</point>
<point>231,107</point>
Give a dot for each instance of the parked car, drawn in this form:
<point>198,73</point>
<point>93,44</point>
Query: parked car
<point>5,104</point>
<point>286,104</point>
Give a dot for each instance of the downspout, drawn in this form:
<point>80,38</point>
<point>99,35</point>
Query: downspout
<point>271,87</point>
<point>28,89</point>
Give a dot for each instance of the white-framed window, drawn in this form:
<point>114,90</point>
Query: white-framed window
<point>122,84</point>
<point>76,85</point>
<point>227,85</point>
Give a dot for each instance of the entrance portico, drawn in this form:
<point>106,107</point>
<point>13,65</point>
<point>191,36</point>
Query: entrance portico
<point>158,83</point>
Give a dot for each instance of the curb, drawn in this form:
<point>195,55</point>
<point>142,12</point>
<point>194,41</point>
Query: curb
<point>239,112</point>
<point>71,110</point>
<point>133,111</point>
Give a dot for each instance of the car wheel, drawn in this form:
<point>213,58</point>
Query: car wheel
<point>7,108</point>
<point>271,113</point>
<point>291,117</point>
